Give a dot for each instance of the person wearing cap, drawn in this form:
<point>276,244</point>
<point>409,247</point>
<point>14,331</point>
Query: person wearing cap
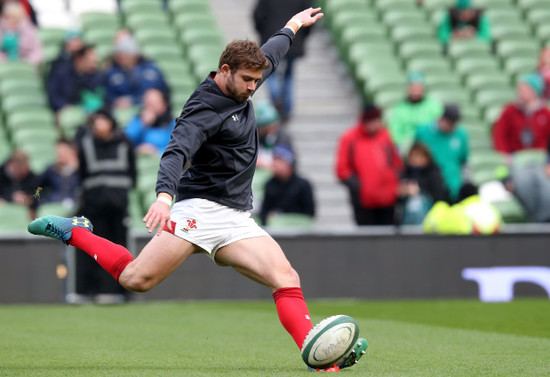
<point>131,75</point>
<point>525,123</point>
<point>369,166</point>
<point>72,43</point>
<point>79,83</point>
<point>286,191</point>
<point>417,109</point>
<point>270,132</point>
<point>448,143</point>
<point>463,22</point>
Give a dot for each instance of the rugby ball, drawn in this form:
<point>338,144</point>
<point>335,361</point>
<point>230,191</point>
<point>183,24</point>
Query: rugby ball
<point>330,341</point>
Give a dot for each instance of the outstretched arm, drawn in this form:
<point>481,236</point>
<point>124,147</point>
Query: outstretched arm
<point>305,18</point>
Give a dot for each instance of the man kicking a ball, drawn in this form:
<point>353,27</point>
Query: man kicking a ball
<point>216,134</point>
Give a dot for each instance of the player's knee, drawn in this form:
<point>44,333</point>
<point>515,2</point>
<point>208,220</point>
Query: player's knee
<point>135,282</point>
<point>288,278</point>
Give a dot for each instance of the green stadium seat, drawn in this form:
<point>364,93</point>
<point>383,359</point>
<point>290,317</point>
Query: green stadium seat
<point>543,33</point>
<point>517,31</point>
<point>99,20</point>
<point>528,157</point>
<point>137,20</point>
<point>475,65</point>
<point>70,118</point>
<point>474,48</point>
<point>437,5</point>
<point>437,81</point>
<point>511,211</point>
<point>292,221</point>
<point>492,113</point>
<point>30,117</point>
<point>527,5</point>
<point>428,66</point>
<point>147,164</point>
<point>386,82</point>
<point>140,6</point>
<point>486,160</point>
<point>404,33</point>
<point>511,48</point>
<point>537,17</point>
<point>494,4</point>
<point>99,36</point>
<point>394,18</point>
<point>51,36</point>
<point>27,85</point>
<point>163,52</point>
<point>24,136</point>
<point>491,97</point>
<point>424,49</point>
<point>387,98</point>
<point>15,217</point>
<point>41,155</point>
<point>343,19</point>
<point>183,21</point>
<point>13,102</point>
<point>189,6</point>
<point>202,36</point>
<point>55,209</point>
<point>479,81</point>
<point>519,65</point>
<point>451,95</point>
<point>17,69</point>
<point>156,36</point>
<point>124,115</point>
<point>384,6</point>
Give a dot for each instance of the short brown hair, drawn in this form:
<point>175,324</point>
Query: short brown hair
<point>243,54</point>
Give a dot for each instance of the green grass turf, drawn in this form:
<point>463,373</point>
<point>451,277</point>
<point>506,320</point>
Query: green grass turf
<point>406,338</point>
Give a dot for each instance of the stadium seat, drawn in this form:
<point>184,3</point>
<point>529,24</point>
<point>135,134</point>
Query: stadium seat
<point>404,33</point>
<point>424,49</point>
<point>129,7</point>
<point>15,217</point>
<point>13,102</point>
<point>428,66</point>
<point>155,36</point>
<point>70,118</point>
<point>492,113</point>
<point>137,20</point>
<point>55,209</point>
<point>441,81</point>
<point>123,115</point>
<point>479,81</point>
<point>292,221</point>
<point>474,48</point>
<point>511,48</point>
<point>515,66</point>
<point>490,97</point>
<point>543,33</point>
<point>511,211</point>
<point>475,65</point>
<point>202,36</point>
<point>528,157</point>
<point>486,160</point>
<point>387,98</point>
<point>189,20</point>
<point>17,69</point>
<point>99,36</point>
<point>99,20</point>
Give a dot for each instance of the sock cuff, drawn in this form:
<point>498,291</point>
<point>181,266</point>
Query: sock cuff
<point>120,265</point>
<point>290,292</point>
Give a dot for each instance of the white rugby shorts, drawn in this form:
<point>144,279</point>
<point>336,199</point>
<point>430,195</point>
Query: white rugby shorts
<point>211,225</point>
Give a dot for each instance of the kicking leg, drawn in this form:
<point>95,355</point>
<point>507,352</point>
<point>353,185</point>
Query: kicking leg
<point>262,260</point>
<point>160,257</point>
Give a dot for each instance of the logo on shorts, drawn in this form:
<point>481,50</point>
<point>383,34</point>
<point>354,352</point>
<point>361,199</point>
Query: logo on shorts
<point>191,224</point>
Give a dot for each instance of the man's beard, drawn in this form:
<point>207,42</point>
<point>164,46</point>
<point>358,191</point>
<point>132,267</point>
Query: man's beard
<point>232,92</point>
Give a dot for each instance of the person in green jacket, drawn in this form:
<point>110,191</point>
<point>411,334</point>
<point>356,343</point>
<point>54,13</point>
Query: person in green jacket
<point>464,21</point>
<point>448,144</point>
<point>414,111</point>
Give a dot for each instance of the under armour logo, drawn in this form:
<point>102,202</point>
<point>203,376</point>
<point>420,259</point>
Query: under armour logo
<point>82,222</point>
<point>235,118</point>
<point>308,318</point>
<point>95,256</point>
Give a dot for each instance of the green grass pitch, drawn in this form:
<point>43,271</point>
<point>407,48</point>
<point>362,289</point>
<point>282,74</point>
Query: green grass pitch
<point>242,338</point>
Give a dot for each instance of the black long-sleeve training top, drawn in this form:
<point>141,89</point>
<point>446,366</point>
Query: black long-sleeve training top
<point>219,137</point>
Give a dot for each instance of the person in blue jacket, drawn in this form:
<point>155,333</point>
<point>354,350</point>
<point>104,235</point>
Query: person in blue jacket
<point>131,75</point>
<point>150,130</point>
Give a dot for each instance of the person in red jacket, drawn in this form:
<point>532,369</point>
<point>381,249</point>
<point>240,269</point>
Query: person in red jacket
<point>524,124</point>
<point>369,165</point>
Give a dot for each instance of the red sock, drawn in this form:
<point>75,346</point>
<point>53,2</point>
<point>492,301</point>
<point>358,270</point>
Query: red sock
<point>293,313</point>
<point>112,257</point>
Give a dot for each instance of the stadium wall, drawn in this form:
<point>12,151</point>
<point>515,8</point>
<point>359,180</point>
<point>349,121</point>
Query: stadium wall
<point>363,266</point>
